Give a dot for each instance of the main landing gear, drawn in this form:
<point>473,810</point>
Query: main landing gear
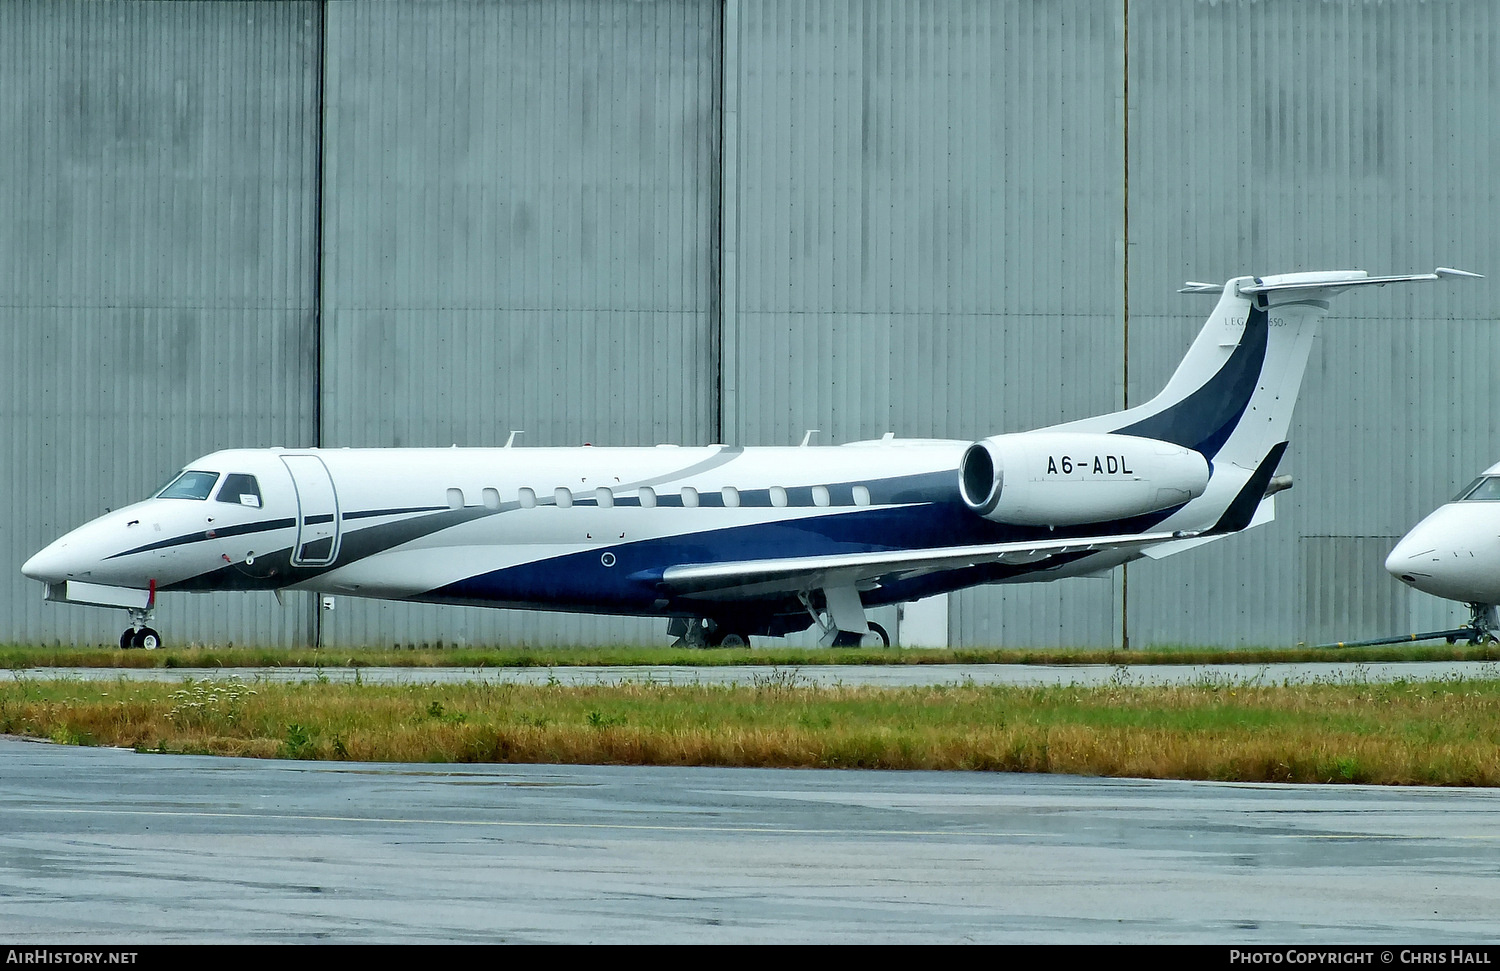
<point>138,635</point>
<point>705,633</point>
<point>877,637</point>
<point>842,619</point>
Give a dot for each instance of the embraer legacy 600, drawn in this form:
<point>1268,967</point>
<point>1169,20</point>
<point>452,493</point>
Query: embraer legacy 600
<point>728,542</point>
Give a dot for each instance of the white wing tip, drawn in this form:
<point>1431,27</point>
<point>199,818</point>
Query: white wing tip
<point>1445,271</point>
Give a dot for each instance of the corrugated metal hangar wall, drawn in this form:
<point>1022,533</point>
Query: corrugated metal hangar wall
<point>732,220</point>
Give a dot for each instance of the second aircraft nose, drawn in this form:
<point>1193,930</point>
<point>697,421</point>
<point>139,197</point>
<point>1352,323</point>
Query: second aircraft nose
<point>1444,555</point>
<point>1401,564</point>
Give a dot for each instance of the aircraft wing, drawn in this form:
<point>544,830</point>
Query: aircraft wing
<point>751,579</point>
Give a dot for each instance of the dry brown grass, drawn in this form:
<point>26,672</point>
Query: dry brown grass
<point>1443,733</point>
<point>18,656</point>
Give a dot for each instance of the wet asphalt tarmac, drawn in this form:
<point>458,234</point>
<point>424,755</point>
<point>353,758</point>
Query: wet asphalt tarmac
<point>109,846</point>
<point>106,846</point>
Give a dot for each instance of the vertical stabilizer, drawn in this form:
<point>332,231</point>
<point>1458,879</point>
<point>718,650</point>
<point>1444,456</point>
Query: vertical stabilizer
<point>1232,396</point>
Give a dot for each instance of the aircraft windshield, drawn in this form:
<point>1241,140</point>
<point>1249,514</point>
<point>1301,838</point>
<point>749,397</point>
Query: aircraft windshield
<point>190,485</point>
<point>1486,488</point>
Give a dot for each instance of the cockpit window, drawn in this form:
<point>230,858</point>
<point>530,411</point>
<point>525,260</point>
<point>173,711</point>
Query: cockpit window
<point>1486,488</point>
<point>190,485</point>
<point>240,488</point>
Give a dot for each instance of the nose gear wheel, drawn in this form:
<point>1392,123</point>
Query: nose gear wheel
<point>138,635</point>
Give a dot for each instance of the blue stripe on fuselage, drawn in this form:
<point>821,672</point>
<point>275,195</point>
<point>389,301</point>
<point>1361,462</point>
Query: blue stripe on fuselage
<point>582,580</point>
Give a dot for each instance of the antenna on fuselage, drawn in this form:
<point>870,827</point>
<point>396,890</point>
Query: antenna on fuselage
<point>512,439</point>
<point>807,438</point>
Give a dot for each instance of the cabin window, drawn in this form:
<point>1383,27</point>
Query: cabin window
<point>527,498</point>
<point>820,495</point>
<point>861,495</point>
<point>778,496</point>
<point>190,485</point>
<point>455,498</point>
<point>240,489</point>
<point>689,496</point>
<point>491,498</point>
<point>1486,488</point>
<point>648,497</point>
<point>731,496</point>
<point>563,497</point>
<point>604,497</point>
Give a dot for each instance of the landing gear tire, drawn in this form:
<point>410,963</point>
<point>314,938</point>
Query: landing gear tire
<point>146,638</point>
<point>127,639</point>
<point>878,631</point>
<point>734,639</point>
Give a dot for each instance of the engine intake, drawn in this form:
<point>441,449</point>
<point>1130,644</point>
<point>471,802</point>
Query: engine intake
<point>1067,478</point>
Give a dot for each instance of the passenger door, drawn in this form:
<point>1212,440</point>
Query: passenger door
<point>317,511</point>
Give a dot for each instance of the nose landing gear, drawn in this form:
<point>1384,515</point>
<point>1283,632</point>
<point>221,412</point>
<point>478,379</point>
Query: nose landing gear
<point>138,635</point>
<point>1484,620</point>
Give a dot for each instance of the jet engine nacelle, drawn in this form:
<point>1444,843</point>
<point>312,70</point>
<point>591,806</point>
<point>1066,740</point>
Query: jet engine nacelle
<point>1066,478</point>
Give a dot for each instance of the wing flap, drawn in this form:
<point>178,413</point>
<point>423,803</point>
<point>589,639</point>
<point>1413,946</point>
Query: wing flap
<point>749,579</point>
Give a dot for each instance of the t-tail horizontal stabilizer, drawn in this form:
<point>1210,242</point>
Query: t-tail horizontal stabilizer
<point>1331,280</point>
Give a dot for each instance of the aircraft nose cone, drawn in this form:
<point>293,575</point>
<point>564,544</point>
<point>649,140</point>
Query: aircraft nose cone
<point>1448,556</point>
<point>40,567</point>
<point>1400,563</point>
<point>51,565</point>
<point>1423,560</point>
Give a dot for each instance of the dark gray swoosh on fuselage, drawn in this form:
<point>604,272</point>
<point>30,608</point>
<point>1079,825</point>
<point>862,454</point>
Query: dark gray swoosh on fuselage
<point>275,569</point>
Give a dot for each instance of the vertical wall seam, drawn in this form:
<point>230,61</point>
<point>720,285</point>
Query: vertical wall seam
<point>315,601</point>
<point>1125,280</point>
<point>727,420</point>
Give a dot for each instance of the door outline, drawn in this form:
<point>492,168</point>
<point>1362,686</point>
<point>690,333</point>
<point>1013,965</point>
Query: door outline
<point>318,514</point>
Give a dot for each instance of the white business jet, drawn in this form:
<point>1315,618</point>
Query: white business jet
<point>1455,554</point>
<point>728,542</point>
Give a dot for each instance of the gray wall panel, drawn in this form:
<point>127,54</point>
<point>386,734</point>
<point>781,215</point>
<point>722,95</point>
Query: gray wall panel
<point>929,220</point>
<point>156,273</point>
<point>1267,137</point>
<point>520,233</point>
<point>917,224</point>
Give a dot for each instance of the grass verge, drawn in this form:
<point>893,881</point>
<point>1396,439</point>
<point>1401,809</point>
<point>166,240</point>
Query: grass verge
<point>24,656</point>
<point>1431,733</point>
